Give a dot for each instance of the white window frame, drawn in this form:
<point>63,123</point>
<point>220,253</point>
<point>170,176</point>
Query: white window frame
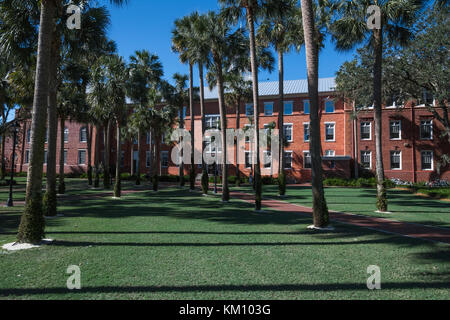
<point>65,154</point>
<point>332,153</point>
<point>211,118</point>
<point>162,153</point>
<point>304,159</point>
<point>432,160</point>
<point>292,131</point>
<point>81,129</point>
<point>309,131</point>
<point>432,130</point>
<point>284,108</point>
<point>370,158</point>
<point>291,153</point>
<point>401,160</point>
<point>370,131</point>
<point>85,157</point>
<point>334,131</point>
<point>400,129</point>
<point>268,104</point>
<point>66,129</point>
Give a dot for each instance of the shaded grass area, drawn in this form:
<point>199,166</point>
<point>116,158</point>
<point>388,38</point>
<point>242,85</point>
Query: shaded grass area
<point>179,245</point>
<point>403,205</point>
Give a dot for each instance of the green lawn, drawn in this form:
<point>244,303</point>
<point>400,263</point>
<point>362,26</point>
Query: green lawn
<point>179,245</point>
<point>403,205</point>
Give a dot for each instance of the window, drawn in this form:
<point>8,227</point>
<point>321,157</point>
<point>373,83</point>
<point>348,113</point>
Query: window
<point>428,98</point>
<point>165,159</point>
<point>122,159</point>
<point>148,138</point>
<point>249,110</point>
<point>288,108</point>
<point>82,157</point>
<point>395,130</point>
<point>288,159</point>
<point>426,129</point>
<point>393,101</point>
<point>248,160</point>
<point>66,134</point>
<point>135,140</point>
<point>306,109</point>
<point>306,132</point>
<point>45,157</point>
<point>366,130</point>
<point>83,134</point>
<point>396,160</point>
<point>248,130</point>
<point>427,160</point>
<point>65,156</point>
<point>330,153</point>
<point>212,122</point>
<point>268,108</point>
<point>267,160</point>
<point>29,135</point>
<point>329,131</point>
<point>329,106</point>
<point>147,159</point>
<point>288,132</point>
<point>366,159</point>
<point>306,160</point>
<point>27,156</point>
<point>210,148</point>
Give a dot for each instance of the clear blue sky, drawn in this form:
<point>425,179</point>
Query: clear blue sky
<point>144,24</point>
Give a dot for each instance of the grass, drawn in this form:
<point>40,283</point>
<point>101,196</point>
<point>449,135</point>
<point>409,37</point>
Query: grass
<point>439,193</point>
<point>175,244</point>
<point>403,205</point>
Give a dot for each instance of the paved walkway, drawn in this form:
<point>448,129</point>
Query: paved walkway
<point>406,229</point>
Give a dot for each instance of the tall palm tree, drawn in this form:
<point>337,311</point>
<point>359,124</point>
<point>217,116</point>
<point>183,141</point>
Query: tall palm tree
<point>182,39</point>
<point>350,29</point>
<point>281,28</point>
<point>145,74</point>
<point>235,10</point>
<point>320,210</point>
<point>32,224</point>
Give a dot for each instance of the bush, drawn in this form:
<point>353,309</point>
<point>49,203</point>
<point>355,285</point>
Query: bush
<point>438,193</point>
<point>359,183</point>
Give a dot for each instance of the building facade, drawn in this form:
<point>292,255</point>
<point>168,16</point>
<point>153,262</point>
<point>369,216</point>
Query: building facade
<point>412,145</point>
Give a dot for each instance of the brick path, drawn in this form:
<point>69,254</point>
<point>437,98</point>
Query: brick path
<point>406,229</point>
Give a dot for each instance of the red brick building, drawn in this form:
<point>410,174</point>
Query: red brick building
<point>411,138</point>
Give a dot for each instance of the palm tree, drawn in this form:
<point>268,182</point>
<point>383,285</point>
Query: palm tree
<point>349,29</point>
<point>182,38</point>
<point>281,28</point>
<point>145,73</point>
<point>320,210</point>
<point>250,9</point>
<point>238,90</point>
<point>32,224</point>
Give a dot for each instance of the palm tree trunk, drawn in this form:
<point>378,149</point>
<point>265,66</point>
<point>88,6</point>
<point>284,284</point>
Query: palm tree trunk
<point>281,175</point>
<point>50,199</point>
<point>61,183</point>
<point>191,112</point>
<point>382,204</point>
<point>3,174</point>
<point>106,174</point>
<point>181,168</point>
<point>23,146</point>
<point>89,129</point>
<point>138,162</point>
<point>223,128</point>
<point>205,178</point>
<point>132,169</point>
<point>254,67</point>
<point>238,125</point>
<point>156,162</point>
<point>117,185</point>
<point>32,223</point>
<point>320,210</point>
<point>97,158</point>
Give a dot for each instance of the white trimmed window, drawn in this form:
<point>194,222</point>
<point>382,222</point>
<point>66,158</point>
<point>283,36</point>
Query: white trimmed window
<point>288,108</point>
<point>29,135</point>
<point>395,130</point>
<point>165,159</point>
<point>288,132</point>
<point>366,130</point>
<point>27,156</point>
<point>306,132</point>
<point>426,129</point>
<point>83,134</point>
<point>330,131</point>
<point>147,159</point>
<point>288,159</point>
<point>330,153</point>
<point>248,161</point>
<point>306,160</point>
<point>212,122</point>
<point>427,160</point>
<point>66,134</point>
<point>82,157</point>
<point>396,160</point>
<point>366,159</point>
<point>268,108</point>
